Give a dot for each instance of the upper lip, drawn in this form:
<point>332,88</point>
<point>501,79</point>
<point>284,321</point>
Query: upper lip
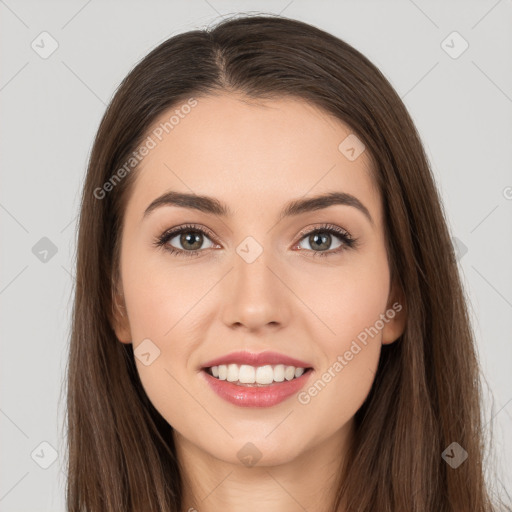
<point>256,359</point>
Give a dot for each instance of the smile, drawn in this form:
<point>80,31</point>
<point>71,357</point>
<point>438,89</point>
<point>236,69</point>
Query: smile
<point>255,375</point>
<point>249,386</point>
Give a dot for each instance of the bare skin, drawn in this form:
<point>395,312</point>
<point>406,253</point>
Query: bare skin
<point>256,157</point>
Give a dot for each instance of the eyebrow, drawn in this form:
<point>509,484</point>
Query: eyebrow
<point>213,206</point>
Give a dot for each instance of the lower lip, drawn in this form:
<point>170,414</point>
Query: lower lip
<point>253,396</point>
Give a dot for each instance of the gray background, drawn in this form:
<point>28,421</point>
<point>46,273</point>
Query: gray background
<point>51,108</point>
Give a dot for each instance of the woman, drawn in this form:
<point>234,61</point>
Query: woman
<point>268,311</point>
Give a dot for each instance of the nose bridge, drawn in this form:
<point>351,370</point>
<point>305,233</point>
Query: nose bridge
<point>254,295</point>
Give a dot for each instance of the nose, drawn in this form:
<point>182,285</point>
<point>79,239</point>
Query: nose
<point>255,296</point>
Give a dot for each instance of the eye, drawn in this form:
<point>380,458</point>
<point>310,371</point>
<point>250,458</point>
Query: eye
<point>191,238</point>
<point>321,238</point>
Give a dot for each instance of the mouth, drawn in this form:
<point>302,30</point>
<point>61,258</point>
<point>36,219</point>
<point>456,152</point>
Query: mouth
<point>262,386</point>
<point>256,376</point>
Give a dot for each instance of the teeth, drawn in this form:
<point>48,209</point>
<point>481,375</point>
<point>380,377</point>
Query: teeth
<point>279,372</point>
<point>265,375</point>
<point>246,374</point>
<point>232,373</point>
<point>289,372</point>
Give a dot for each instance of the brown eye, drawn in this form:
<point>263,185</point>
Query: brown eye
<point>189,240</point>
<point>184,241</point>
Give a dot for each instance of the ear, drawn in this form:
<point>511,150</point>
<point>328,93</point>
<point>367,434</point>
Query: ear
<point>396,315</point>
<point>119,318</point>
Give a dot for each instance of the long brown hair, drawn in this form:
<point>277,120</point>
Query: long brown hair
<point>426,393</point>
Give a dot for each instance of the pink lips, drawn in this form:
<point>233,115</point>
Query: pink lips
<point>256,396</point>
<point>264,396</point>
<point>261,359</point>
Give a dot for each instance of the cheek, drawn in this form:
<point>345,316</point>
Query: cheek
<point>347,300</point>
<point>163,302</point>
<point>160,309</point>
<point>350,353</point>
<point>356,311</point>
<point>351,306</point>
<point>160,294</point>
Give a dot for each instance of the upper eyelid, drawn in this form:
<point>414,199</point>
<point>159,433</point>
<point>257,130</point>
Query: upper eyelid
<point>327,226</point>
<point>178,229</point>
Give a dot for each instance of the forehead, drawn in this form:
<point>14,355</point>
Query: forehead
<point>245,151</point>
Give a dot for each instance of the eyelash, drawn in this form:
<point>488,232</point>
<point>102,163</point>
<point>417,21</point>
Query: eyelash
<point>346,238</point>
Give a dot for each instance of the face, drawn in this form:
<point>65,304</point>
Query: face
<point>256,277</point>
